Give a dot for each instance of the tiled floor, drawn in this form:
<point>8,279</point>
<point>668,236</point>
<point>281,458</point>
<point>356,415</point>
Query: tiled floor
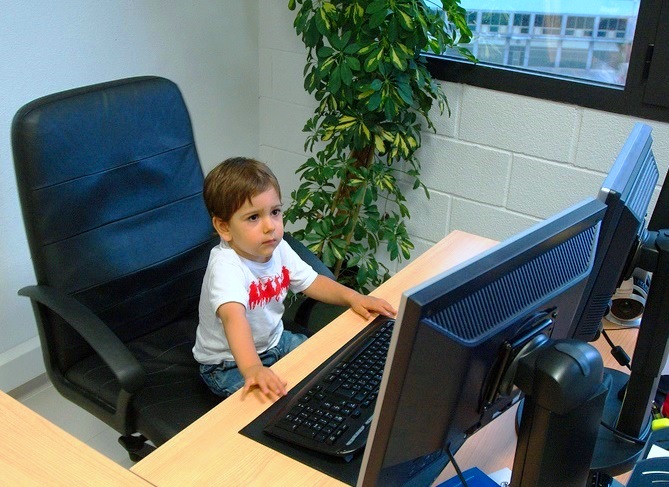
<point>42,397</point>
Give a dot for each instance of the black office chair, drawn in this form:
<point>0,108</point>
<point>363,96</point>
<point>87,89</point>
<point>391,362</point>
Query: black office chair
<point>111,194</point>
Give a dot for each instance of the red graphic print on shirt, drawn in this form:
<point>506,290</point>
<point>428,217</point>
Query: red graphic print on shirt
<point>265,289</point>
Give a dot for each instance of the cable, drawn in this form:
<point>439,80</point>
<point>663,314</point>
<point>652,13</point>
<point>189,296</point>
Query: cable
<point>456,467</point>
<point>617,351</point>
<point>625,436</point>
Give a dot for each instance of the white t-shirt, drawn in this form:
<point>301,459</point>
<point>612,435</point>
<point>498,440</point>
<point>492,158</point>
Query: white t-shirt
<point>260,287</point>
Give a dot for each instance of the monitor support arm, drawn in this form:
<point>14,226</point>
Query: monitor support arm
<point>652,345</point>
<point>564,400</point>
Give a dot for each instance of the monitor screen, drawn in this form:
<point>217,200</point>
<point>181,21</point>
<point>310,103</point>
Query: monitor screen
<point>455,336</point>
<point>626,191</point>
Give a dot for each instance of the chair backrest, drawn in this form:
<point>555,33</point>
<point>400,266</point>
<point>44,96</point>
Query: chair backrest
<point>111,192</point>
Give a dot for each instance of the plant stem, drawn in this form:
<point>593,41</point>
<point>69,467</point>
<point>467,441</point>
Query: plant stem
<point>364,159</point>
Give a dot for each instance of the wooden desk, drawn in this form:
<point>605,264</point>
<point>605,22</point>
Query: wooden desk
<point>34,451</point>
<point>212,452</point>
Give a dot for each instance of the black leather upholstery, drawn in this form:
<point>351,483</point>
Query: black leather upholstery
<point>110,187</point>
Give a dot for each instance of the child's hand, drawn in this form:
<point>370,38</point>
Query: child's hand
<point>330,291</point>
<point>366,305</point>
<point>265,379</point>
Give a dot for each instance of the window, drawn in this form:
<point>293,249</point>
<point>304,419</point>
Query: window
<point>611,55</point>
<point>495,22</point>
<point>580,26</point>
<point>612,28</point>
<point>521,23</point>
<point>548,25</point>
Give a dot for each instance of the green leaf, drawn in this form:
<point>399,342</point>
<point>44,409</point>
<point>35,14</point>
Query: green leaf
<point>405,93</point>
<point>346,74</point>
<point>353,63</point>
<point>405,21</point>
<point>325,51</point>
<point>374,101</point>
<point>404,49</point>
<point>379,144</point>
<point>329,8</point>
<point>373,60</point>
<point>311,35</point>
<point>377,18</point>
<point>377,6</point>
<point>365,94</point>
<point>328,256</point>
<point>335,80</point>
<point>322,22</point>
<point>325,67</point>
<point>398,61</point>
<point>345,39</point>
<point>367,49</point>
<point>352,49</point>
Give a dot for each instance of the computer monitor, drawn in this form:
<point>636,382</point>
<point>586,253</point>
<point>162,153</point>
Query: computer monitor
<point>457,336</point>
<point>660,218</point>
<point>438,386</point>
<point>626,191</point>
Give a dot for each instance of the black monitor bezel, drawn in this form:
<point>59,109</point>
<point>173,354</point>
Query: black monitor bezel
<point>627,191</point>
<point>426,299</point>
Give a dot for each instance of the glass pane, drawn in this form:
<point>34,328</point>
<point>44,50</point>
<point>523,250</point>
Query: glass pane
<point>584,39</point>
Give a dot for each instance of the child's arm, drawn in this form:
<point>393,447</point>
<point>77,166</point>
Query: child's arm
<point>330,291</point>
<point>240,339</point>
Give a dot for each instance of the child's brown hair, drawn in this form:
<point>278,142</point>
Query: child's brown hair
<point>235,181</point>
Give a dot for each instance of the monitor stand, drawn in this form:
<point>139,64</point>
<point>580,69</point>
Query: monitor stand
<point>563,404</point>
<point>630,412</point>
<point>614,455</point>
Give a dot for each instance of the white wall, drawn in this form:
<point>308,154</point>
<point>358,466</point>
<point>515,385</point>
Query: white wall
<point>208,47</point>
<point>500,163</point>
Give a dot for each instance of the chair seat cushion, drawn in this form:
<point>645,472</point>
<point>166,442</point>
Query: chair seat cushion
<point>174,395</point>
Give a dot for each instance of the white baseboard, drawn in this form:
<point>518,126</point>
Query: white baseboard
<point>21,364</point>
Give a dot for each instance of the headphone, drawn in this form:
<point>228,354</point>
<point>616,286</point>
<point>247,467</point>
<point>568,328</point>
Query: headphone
<point>629,300</point>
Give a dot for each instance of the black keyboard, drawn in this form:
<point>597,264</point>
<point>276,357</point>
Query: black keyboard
<point>331,412</point>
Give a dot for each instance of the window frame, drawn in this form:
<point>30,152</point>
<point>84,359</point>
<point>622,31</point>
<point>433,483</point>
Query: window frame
<point>627,100</point>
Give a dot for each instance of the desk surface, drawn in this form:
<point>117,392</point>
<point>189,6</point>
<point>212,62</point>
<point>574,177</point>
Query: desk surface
<point>212,452</point>
<point>34,451</point>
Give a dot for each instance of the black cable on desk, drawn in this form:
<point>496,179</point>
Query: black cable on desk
<point>617,351</point>
<point>456,466</point>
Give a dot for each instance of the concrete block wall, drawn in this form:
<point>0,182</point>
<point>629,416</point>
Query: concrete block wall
<point>497,165</point>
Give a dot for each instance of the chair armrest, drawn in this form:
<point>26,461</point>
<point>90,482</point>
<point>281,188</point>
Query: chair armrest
<point>303,314</point>
<point>308,256</point>
<point>94,331</point>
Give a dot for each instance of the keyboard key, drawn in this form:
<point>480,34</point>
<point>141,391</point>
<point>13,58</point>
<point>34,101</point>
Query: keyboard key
<point>332,413</point>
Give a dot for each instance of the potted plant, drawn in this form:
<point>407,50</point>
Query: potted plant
<point>366,68</point>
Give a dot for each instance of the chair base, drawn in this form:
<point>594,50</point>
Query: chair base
<point>136,446</point>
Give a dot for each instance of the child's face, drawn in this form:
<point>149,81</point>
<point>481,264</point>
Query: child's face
<point>255,229</point>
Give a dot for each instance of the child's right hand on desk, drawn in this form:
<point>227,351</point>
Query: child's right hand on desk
<point>270,384</point>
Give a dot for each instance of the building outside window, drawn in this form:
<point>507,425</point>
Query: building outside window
<point>586,40</point>
<point>610,55</point>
